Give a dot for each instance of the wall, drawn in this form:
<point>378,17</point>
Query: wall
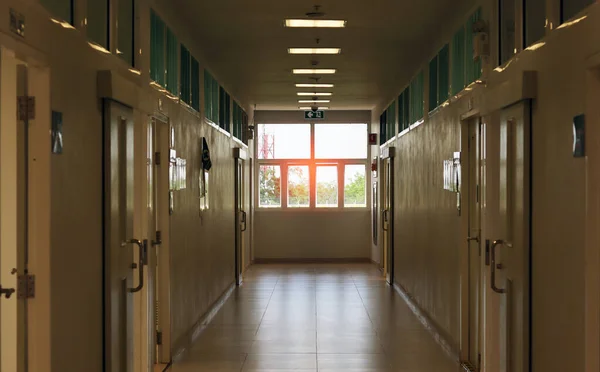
<point>312,234</point>
<point>428,232</point>
<point>202,251</point>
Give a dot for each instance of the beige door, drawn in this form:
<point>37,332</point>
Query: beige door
<point>241,217</point>
<point>13,217</point>
<point>160,245</point>
<point>474,307</point>
<point>119,244</point>
<point>510,253</point>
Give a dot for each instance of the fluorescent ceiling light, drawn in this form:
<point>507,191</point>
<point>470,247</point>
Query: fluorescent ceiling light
<point>310,108</point>
<point>314,94</point>
<point>314,85</point>
<point>314,71</point>
<point>314,101</point>
<point>314,50</point>
<point>315,23</point>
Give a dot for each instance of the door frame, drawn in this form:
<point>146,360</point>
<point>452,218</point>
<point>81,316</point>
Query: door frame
<point>467,236</point>
<point>387,156</point>
<point>163,142</point>
<point>240,157</point>
<point>38,211</point>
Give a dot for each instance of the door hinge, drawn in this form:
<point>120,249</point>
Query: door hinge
<point>158,238</point>
<point>26,108</point>
<point>157,158</point>
<point>26,286</point>
<point>158,337</point>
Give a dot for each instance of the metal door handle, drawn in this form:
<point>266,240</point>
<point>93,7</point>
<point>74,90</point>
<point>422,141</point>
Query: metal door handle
<point>244,221</point>
<point>7,292</point>
<point>499,266</point>
<point>140,265</point>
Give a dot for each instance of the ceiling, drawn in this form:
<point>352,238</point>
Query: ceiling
<point>385,41</point>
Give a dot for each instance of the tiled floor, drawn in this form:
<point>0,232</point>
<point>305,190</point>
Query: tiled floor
<point>315,318</point>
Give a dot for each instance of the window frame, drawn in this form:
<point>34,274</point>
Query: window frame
<point>312,164</point>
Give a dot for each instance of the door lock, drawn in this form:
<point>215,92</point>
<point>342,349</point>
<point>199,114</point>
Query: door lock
<point>7,292</point>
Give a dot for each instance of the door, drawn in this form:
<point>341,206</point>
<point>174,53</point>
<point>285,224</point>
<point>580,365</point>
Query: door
<point>119,243</point>
<point>510,253</point>
<point>13,215</point>
<point>387,214</point>
<point>474,276</point>
<point>241,217</point>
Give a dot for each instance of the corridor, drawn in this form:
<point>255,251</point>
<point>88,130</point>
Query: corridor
<point>317,317</point>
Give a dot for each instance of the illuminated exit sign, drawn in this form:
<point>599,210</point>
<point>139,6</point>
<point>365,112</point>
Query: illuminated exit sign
<point>320,114</point>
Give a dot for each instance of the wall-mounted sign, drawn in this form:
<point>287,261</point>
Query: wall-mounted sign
<point>452,173</point>
<point>372,138</point>
<point>319,114</point>
<point>579,136</point>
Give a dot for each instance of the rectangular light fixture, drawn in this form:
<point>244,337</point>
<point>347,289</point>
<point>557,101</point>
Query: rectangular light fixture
<point>314,85</point>
<point>314,50</point>
<point>314,101</point>
<point>325,23</point>
<point>310,108</point>
<point>314,94</point>
<point>308,71</point>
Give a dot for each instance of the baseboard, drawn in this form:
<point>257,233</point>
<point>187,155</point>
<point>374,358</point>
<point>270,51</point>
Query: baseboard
<point>183,344</point>
<point>439,335</point>
<point>311,260</point>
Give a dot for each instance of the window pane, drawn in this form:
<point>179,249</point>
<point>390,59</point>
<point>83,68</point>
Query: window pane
<point>125,31</point>
<point>327,186</point>
<point>97,17</point>
<point>298,187</point>
<point>570,8</point>
<point>60,8</point>
<point>433,84</point>
<point>269,178</point>
<point>279,141</point>
<point>355,194</point>
<point>507,30</point>
<point>341,141</point>
<point>535,21</point>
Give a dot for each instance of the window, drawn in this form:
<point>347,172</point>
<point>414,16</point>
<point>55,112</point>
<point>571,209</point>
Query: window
<point>211,98</point>
<point>355,193</point>
<point>444,74</point>
<point>164,55</point>
<point>458,61</point>
<point>472,66</point>
<point>570,8</point>
<point>535,21</point>
<point>97,22</point>
<point>269,178</point>
<point>240,123</point>
<point>172,83</point>
<point>298,187</point>
<point>341,141</point>
<point>157,49</point>
<point>322,165</point>
<point>507,32</point>
<point>383,128</point>
<point>185,92</point>
<point>62,9</point>
<point>327,186</point>
<point>404,109</point>
<point>224,110</point>
<point>433,83</point>
<point>416,98</point>
<point>387,125</point>
<point>195,88</point>
<point>125,48</point>
<point>276,141</point>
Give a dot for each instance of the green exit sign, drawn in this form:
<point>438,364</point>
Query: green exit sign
<point>320,114</point>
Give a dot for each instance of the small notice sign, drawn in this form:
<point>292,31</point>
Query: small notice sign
<point>319,114</point>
